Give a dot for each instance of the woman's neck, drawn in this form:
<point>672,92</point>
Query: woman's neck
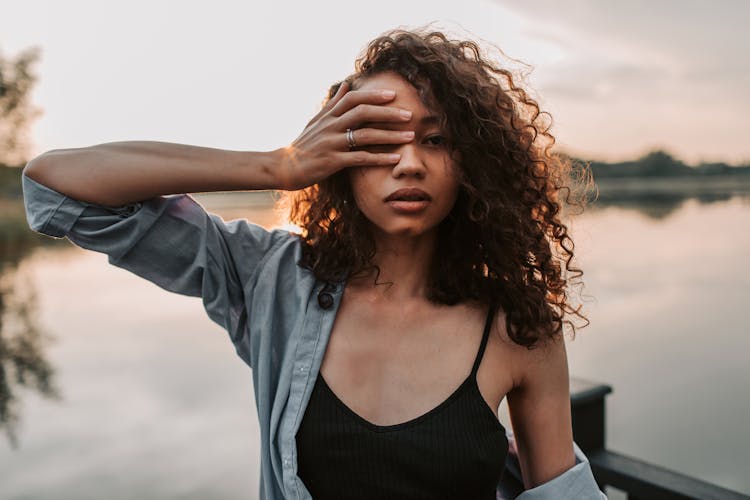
<point>404,264</point>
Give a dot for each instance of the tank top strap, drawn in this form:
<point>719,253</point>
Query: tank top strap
<point>485,336</point>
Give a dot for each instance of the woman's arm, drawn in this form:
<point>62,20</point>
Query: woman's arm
<point>118,173</point>
<point>539,409</point>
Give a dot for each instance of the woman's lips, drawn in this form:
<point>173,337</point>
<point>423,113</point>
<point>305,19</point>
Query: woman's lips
<point>408,200</point>
<point>408,207</point>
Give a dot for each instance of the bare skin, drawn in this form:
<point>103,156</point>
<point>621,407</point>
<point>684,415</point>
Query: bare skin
<point>393,355</point>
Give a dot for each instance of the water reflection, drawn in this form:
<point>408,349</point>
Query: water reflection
<point>658,206</point>
<point>23,363</point>
<point>659,198</point>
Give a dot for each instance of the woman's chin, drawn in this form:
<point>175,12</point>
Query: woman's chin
<point>405,231</point>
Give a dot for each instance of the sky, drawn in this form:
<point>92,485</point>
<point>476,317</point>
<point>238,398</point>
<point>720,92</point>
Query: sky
<point>619,78</point>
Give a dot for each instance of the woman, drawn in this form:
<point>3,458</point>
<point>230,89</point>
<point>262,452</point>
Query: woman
<point>431,252</point>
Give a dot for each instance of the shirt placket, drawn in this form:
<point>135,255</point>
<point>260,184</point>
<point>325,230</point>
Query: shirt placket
<point>309,353</point>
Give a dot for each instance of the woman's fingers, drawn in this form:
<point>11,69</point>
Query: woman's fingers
<point>374,136</point>
<point>357,107</point>
<point>354,98</point>
<point>366,159</point>
<point>370,113</point>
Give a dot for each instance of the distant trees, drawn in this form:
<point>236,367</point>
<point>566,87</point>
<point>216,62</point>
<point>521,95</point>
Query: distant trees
<point>17,79</point>
<point>661,164</point>
<point>23,360</point>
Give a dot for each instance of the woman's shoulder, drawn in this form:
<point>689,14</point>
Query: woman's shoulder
<point>245,237</point>
<point>526,363</point>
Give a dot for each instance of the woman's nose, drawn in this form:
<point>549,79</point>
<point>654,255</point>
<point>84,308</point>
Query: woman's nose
<point>410,164</point>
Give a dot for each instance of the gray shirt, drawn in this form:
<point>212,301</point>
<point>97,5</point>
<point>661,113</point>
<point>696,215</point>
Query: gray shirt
<point>251,285</point>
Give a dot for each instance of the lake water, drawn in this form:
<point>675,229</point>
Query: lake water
<point>155,404</point>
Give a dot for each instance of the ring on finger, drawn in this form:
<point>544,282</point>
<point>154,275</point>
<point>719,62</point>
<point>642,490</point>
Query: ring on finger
<point>350,139</point>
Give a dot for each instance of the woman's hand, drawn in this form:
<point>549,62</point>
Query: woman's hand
<point>322,149</point>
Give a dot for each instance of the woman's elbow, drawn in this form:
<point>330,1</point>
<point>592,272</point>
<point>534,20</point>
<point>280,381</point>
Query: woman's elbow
<point>38,168</point>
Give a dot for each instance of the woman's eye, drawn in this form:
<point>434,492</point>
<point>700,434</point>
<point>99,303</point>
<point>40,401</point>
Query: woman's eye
<point>436,140</point>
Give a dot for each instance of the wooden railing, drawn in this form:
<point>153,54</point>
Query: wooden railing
<point>638,479</point>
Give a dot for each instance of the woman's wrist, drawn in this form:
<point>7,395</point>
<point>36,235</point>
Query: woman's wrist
<point>279,168</point>
<point>262,170</point>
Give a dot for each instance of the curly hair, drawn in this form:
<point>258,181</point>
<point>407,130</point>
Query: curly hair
<point>503,242</point>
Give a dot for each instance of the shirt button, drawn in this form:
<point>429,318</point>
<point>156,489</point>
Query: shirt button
<point>325,300</point>
<point>286,461</point>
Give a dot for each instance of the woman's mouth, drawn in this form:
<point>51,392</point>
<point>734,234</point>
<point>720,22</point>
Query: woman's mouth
<point>408,200</point>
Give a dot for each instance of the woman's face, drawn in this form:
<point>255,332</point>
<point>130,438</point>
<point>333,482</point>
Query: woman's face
<point>414,196</point>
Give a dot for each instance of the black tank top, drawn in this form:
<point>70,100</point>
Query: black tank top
<point>455,451</point>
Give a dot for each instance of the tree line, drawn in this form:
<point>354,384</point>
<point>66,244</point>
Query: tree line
<point>661,164</point>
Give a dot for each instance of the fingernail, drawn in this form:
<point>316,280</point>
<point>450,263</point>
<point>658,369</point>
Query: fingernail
<point>405,113</point>
<point>394,157</point>
<point>408,134</point>
<point>388,94</point>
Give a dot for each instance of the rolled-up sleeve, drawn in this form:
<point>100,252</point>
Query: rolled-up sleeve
<point>169,240</point>
<point>577,483</point>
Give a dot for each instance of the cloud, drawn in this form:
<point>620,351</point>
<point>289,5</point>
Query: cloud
<point>633,73</point>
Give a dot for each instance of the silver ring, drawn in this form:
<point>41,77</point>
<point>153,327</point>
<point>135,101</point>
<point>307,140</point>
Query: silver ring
<point>350,139</point>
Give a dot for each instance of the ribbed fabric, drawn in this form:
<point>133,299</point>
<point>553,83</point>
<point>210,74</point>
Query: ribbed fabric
<point>455,451</point>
